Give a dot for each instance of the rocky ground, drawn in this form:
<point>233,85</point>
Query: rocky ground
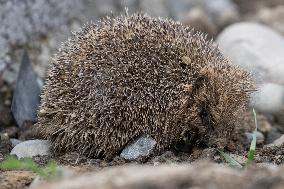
<point>250,34</point>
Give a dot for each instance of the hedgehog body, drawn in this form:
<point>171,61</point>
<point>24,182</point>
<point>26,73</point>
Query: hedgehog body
<point>135,75</point>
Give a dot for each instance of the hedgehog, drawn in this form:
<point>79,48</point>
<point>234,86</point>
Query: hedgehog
<point>134,74</point>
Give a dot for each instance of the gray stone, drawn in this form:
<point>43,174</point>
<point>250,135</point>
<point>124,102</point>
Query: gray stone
<point>27,93</point>
<point>102,7</point>
<point>178,9</point>
<point>223,12</point>
<point>141,147</point>
<point>2,65</point>
<point>15,141</point>
<point>10,74</point>
<point>277,143</point>
<point>259,137</point>
<point>256,48</point>
<point>205,15</point>
<point>269,98</point>
<point>22,21</point>
<point>131,5</point>
<point>31,148</point>
<point>274,134</point>
<point>154,8</point>
<point>279,117</point>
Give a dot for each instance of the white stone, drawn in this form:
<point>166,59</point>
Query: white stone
<point>269,98</point>
<point>256,48</point>
<point>31,148</point>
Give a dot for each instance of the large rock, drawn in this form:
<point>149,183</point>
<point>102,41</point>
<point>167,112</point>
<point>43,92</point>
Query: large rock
<point>26,94</point>
<point>31,148</point>
<point>24,23</point>
<point>269,98</point>
<point>257,48</point>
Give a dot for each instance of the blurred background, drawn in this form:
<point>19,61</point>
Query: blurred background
<point>40,26</point>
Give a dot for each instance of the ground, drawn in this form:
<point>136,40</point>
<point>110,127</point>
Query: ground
<point>80,164</point>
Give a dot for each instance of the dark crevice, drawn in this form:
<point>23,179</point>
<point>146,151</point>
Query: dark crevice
<point>206,118</point>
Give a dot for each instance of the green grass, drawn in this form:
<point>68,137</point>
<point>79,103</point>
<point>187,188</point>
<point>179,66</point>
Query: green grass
<point>251,153</point>
<point>12,163</point>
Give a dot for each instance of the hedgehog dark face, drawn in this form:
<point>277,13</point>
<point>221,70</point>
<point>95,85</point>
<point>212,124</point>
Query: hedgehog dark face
<point>219,110</point>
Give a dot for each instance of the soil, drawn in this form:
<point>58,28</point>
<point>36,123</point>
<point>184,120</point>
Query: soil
<point>198,175</point>
<point>82,165</point>
<point>16,179</point>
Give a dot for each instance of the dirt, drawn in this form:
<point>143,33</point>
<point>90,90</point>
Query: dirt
<point>6,118</point>
<point>27,131</point>
<point>5,145</point>
<point>16,179</point>
<point>274,155</point>
<point>178,176</point>
<point>81,164</point>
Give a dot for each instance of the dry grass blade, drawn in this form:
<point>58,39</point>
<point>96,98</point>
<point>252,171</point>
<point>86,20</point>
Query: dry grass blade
<point>232,162</point>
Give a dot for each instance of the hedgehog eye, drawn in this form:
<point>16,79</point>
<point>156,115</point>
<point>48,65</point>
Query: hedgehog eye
<point>204,114</point>
<point>183,65</point>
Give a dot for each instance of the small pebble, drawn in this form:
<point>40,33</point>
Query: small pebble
<point>141,147</point>
<point>31,148</point>
<point>259,137</point>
